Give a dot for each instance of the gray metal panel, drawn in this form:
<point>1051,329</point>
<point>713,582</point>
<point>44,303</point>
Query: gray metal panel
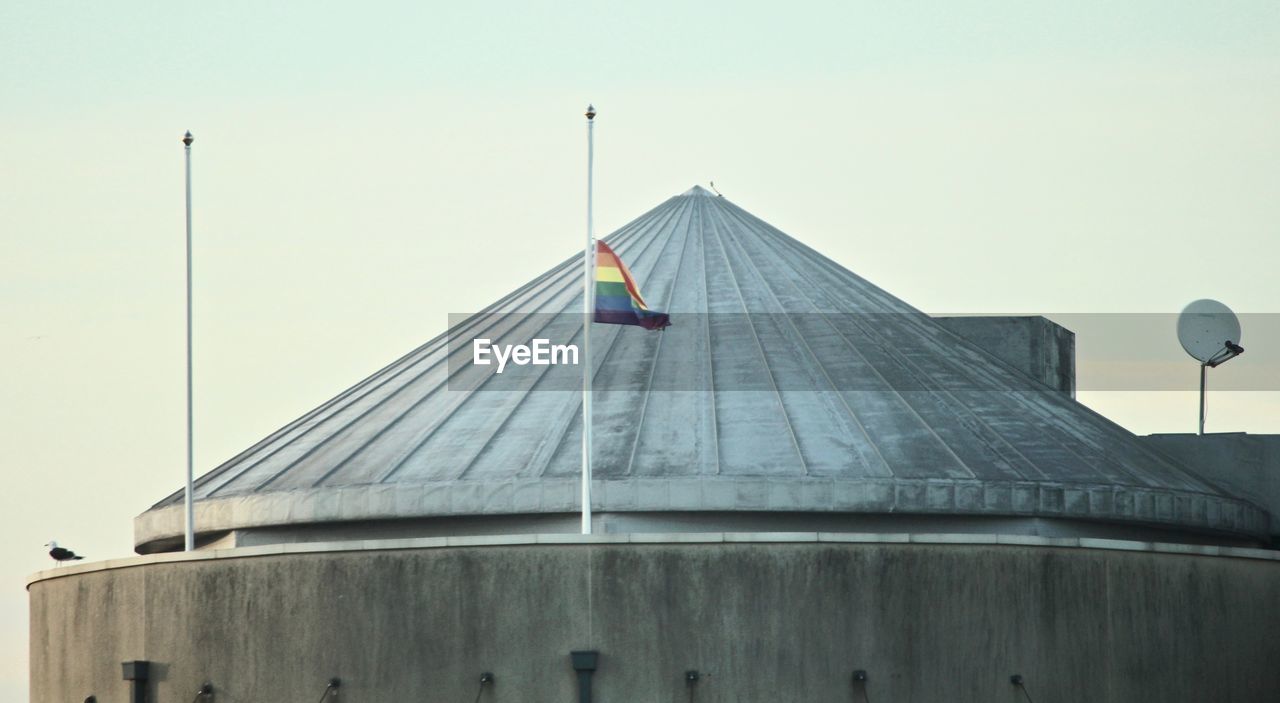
<point>898,400</point>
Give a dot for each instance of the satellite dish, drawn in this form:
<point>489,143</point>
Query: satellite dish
<point>1209,331</point>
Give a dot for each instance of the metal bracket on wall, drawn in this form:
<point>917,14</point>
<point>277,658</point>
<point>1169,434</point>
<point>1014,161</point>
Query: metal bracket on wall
<point>136,673</point>
<point>584,662</point>
<point>334,684</point>
<point>486,679</point>
<point>860,683</point>
<point>1021,684</point>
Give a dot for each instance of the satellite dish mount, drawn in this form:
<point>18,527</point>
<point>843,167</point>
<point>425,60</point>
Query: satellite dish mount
<point>1210,333</point>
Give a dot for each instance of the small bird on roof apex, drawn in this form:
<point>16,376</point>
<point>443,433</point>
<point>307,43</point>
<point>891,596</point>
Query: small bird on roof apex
<point>61,554</point>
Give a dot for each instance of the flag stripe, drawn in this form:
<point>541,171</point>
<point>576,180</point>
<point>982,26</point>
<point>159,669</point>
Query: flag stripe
<point>612,275</point>
<point>605,289</point>
<point>613,302</point>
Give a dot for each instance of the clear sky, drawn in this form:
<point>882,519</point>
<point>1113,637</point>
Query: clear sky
<point>364,169</point>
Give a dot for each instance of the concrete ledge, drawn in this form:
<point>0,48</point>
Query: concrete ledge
<point>667,538</point>
<point>677,538</point>
<point>873,538</point>
<point>582,539</point>
<point>1155,507</point>
<point>770,536</point>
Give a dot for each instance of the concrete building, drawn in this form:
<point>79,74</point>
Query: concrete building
<point>801,479</point>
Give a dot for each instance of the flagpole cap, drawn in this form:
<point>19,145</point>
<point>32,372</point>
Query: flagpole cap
<point>187,138</point>
<point>591,112</point>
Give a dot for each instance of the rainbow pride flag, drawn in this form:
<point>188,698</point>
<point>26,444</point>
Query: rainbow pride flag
<point>618,299</point>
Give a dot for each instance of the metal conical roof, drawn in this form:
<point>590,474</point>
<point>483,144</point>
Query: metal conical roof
<point>907,417</point>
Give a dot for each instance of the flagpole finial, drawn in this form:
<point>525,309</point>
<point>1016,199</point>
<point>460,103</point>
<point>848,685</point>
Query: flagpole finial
<point>591,112</point>
<point>187,138</point>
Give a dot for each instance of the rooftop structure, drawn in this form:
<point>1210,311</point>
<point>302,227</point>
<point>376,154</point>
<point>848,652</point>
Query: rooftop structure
<point>789,395</point>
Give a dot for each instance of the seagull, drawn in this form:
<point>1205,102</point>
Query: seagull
<point>61,554</point>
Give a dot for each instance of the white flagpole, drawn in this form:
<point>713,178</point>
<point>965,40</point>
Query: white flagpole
<point>588,280</point>
<point>190,541</point>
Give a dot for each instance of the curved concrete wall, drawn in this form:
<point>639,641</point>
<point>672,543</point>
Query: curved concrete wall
<point>161,528</point>
<point>783,620</point>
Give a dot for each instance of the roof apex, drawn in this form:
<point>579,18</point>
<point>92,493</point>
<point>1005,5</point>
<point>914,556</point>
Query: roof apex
<point>697,190</point>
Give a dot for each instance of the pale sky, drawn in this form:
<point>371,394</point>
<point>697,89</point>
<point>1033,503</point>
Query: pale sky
<point>364,169</point>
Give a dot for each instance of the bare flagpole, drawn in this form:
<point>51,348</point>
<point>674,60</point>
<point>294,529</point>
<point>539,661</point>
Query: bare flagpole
<point>190,541</point>
<point>588,280</point>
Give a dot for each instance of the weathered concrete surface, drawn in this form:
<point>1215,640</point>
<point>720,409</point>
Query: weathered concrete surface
<point>709,522</point>
<point>763,622</point>
<point>1203,509</point>
<point>1246,465</point>
<point>1034,345</point>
